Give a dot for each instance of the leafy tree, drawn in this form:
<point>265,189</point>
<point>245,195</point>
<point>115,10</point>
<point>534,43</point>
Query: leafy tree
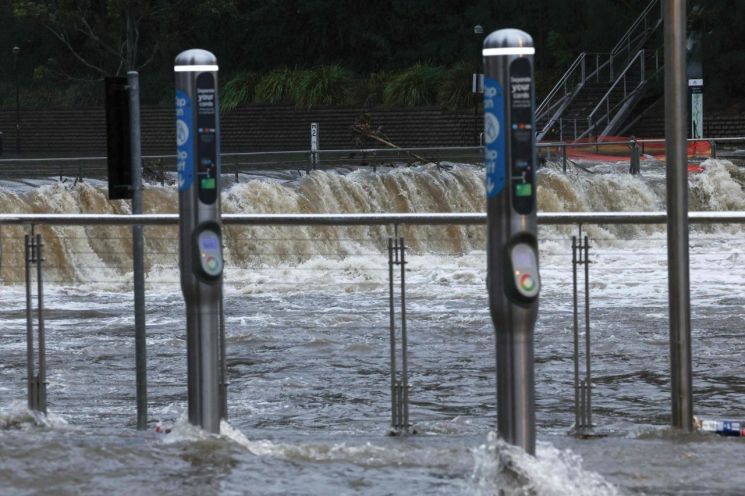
<point>104,37</point>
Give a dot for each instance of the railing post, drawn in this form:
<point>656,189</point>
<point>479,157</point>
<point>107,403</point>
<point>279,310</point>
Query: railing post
<point>36,380</point>
<point>392,337</point>
<point>582,387</point>
<point>634,158</point>
<point>588,369</point>
<point>404,339</point>
<point>575,303</point>
<point>223,379</point>
<point>564,156</point>
<point>31,390</point>
<point>399,386</point>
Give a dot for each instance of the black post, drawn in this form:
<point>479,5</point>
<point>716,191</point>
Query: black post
<point>16,51</point>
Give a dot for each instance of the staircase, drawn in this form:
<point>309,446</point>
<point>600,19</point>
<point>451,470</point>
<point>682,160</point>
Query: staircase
<point>598,92</point>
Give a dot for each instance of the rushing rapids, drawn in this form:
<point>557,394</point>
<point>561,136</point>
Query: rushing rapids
<point>102,253</point>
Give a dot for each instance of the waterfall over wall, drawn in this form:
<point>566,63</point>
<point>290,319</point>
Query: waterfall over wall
<point>96,253</point>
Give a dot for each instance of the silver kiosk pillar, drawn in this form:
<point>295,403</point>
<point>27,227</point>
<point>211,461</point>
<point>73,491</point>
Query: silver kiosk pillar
<point>512,247</point>
<point>200,232</point>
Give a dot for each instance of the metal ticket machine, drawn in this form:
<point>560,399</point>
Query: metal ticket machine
<point>200,229</point>
<point>513,280</point>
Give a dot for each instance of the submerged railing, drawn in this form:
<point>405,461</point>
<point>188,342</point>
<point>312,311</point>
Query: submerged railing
<point>369,219</point>
<point>400,421</point>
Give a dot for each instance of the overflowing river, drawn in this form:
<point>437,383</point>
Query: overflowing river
<point>306,314</point>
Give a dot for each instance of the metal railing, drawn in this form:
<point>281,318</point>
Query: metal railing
<point>399,386</point>
<point>571,83</point>
<point>575,77</point>
<point>370,219</point>
<point>640,29</point>
<point>625,90</point>
<point>161,168</point>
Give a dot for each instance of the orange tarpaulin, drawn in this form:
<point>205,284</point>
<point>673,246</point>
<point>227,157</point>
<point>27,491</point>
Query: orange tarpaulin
<point>618,149</point>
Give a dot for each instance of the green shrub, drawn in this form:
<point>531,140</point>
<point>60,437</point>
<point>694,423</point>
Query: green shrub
<point>455,89</point>
<point>415,86</point>
<point>276,86</point>
<point>367,92</point>
<point>326,85</point>
<point>83,94</point>
<point>240,90</point>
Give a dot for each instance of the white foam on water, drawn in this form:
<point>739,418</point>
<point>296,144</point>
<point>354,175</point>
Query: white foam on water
<point>500,468</point>
<point>17,416</point>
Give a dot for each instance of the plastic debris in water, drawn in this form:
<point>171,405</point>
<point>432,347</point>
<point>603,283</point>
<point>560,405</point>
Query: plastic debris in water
<point>162,429</point>
<point>731,428</point>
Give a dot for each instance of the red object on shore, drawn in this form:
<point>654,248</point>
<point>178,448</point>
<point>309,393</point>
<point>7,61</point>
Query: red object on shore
<point>617,149</point>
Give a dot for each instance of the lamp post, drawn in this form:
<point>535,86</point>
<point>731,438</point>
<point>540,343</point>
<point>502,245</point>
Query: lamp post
<point>478,30</point>
<point>16,51</point>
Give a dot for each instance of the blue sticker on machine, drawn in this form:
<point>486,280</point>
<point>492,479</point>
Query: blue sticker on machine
<point>184,140</point>
<point>494,155</point>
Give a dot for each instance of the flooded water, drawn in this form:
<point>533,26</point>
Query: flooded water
<point>306,313</point>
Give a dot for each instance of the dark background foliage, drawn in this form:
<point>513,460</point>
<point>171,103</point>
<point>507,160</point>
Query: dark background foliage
<point>367,48</point>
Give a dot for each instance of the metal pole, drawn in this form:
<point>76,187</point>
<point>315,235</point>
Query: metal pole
<point>138,264</point>
<point>564,157</point>
<point>392,332</point>
<point>575,302</point>
<point>677,213</point>
<point>28,254</point>
<point>588,375</point>
<point>16,51</point>
<point>404,339</point>
<point>41,379</point>
<point>223,359</point>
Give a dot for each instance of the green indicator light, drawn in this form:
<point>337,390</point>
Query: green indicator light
<point>523,189</point>
<point>208,183</point>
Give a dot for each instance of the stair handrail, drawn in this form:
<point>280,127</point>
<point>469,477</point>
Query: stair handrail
<point>620,54</point>
<point>625,40</point>
<point>578,71</point>
<point>546,103</point>
<point>640,57</point>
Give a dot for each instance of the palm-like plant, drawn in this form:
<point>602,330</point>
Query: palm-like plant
<point>415,86</point>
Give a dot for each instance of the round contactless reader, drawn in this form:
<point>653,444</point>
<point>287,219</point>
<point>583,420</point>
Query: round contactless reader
<point>525,270</point>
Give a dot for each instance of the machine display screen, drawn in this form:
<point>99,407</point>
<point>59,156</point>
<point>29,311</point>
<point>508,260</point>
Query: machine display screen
<point>521,121</point>
<point>207,146</point>
<point>208,241</point>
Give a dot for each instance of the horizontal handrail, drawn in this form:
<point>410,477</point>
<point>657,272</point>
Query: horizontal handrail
<point>629,32</point>
<point>542,144</point>
<point>370,219</point>
<point>592,121</point>
<point>560,83</point>
<point>248,154</point>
